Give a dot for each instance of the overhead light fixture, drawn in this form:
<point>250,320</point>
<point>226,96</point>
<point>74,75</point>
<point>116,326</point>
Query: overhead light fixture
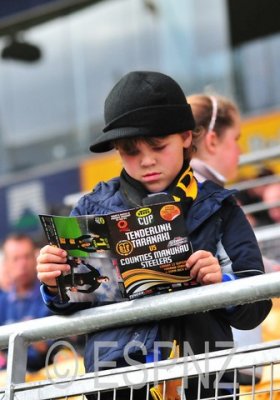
<point>21,50</point>
<point>151,6</point>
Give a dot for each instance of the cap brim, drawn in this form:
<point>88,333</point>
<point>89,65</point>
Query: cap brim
<point>104,142</point>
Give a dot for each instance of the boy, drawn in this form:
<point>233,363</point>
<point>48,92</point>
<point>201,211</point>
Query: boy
<point>150,124</point>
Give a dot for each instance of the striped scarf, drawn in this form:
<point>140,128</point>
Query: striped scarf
<point>184,188</point>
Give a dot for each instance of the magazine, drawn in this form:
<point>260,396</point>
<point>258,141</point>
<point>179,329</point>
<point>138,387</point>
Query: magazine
<point>122,255</point>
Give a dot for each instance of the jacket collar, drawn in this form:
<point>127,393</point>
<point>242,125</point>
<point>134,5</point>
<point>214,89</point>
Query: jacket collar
<point>209,200</point>
<point>202,171</point>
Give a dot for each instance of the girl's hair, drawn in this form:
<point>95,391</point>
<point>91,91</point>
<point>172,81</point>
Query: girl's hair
<point>211,113</point>
<point>129,144</point>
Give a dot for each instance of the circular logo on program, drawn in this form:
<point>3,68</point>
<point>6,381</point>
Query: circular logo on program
<point>124,247</point>
<point>169,212</point>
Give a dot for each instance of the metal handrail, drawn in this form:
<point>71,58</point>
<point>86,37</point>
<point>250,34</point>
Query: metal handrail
<point>252,183</point>
<point>259,155</point>
<point>214,362</point>
<point>199,299</point>
<point>267,232</point>
<point>259,206</point>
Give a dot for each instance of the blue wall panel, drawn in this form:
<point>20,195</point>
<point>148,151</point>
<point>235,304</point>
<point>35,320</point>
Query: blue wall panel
<point>21,203</point>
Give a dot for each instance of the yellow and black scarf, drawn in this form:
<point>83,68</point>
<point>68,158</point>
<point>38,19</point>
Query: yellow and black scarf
<point>184,188</point>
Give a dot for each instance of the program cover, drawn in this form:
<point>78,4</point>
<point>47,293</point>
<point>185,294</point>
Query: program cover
<point>129,254</point>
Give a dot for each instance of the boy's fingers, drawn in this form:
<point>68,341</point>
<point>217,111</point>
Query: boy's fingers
<point>48,277</point>
<point>51,262</point>
<point>213,277</point>
<point>50,267</point>
<point>46,258</point>
<point>196,256</point>
<point>204,267</point>
<point>203,263</point>
<point>53,250</point>
<point>209,275</point>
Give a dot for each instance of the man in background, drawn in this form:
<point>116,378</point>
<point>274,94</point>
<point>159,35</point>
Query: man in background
<point>23,300</point>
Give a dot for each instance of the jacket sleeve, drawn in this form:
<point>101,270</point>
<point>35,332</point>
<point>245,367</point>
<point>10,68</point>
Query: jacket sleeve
<point>248,316</point>
<point>53,304</point>
<point>241,247</point>
<point>240,243</point>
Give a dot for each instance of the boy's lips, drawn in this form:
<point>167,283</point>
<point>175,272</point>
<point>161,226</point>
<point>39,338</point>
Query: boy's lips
<point>152,176</point>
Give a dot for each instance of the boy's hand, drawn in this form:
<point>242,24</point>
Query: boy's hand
<point>204,267</point>
<point>51,262</point>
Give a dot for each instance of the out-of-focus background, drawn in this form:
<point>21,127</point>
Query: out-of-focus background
<point>60,58</point>
<point>58,61</point>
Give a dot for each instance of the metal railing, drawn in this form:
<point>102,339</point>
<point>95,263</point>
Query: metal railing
<point>198,299</point>
<point>252,183</point>
<point>265,355</point>
<point>18,336</point>
<point>260,155</point>
<point>267,233</point>
<point>268,238</point>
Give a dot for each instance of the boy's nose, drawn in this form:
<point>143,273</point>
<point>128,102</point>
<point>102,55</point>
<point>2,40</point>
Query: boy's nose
<point>148,160</point>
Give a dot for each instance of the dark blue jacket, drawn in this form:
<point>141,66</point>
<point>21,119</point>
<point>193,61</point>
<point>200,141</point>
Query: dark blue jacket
<point>214,223</point>
<point>15,308</point>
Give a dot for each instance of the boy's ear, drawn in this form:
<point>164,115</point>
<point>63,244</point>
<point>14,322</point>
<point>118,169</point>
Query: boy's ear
<point>211,140</point>
<point>187,139</point>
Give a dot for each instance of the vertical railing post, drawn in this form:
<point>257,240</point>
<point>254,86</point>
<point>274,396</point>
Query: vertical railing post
<point>16,363</point>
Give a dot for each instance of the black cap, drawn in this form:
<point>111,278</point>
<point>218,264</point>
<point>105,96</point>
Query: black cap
<point>143,103</point>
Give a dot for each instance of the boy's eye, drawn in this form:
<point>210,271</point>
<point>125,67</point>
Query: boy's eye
<point>131,152</point>
<point>159,148</point>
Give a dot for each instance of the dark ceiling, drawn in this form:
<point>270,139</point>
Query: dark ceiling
<point>252,19</point>
<point>248,19</point>
<point>20,15</point>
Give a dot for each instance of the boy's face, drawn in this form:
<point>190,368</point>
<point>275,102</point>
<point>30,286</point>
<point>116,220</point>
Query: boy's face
<point>156,166</point>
